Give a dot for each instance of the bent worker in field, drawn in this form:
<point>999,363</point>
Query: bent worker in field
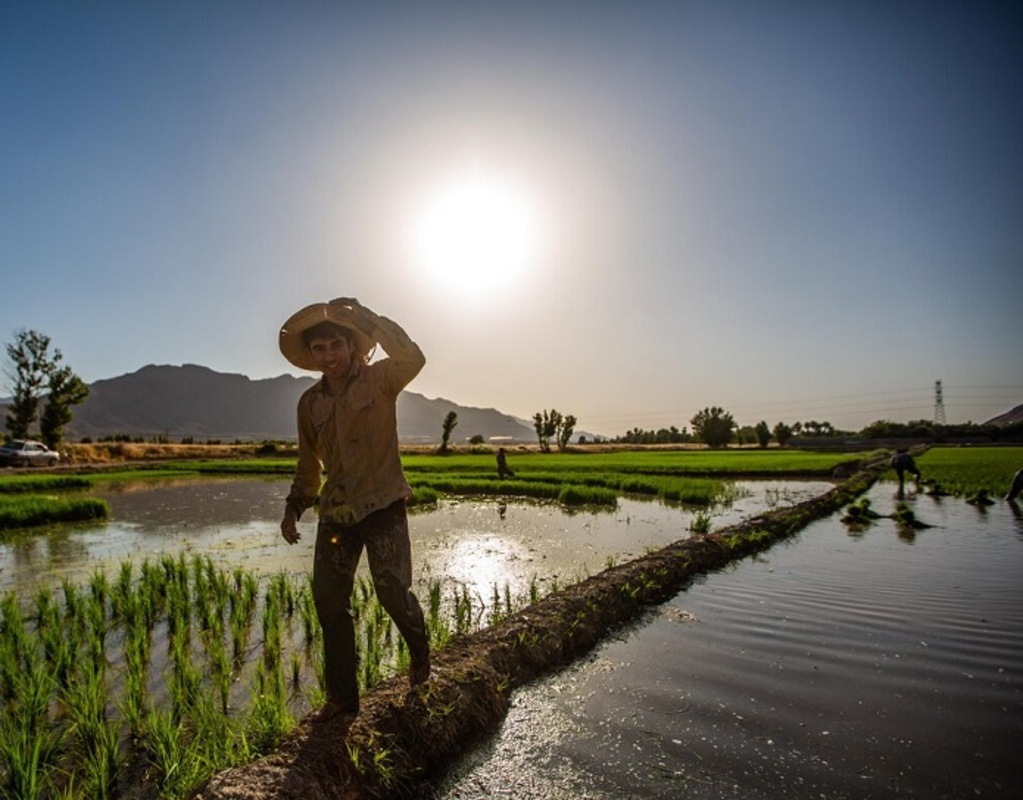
<point>1016,489</point>
<point>503,470</point>
<point>347,425</point>
<point>902,462</point>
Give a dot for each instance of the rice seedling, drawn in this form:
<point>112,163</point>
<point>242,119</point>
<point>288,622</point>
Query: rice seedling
<point>202,702</point>
<point>964,471</point>
<point>29,510</point>
<point>93,738</point>
<point>701,523</point>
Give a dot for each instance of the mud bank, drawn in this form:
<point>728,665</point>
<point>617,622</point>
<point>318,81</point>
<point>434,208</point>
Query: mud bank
<point>402,737</point>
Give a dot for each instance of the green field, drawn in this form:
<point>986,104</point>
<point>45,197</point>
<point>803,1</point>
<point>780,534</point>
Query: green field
<point>694,477</point>
<point>964,471</point>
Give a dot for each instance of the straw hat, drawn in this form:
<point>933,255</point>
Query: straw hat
<point>295,350</point>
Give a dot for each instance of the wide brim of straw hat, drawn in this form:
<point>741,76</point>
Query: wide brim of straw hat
<point>290,339</point>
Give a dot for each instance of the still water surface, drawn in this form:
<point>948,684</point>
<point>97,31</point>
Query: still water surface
<point>833,666</point>
<point>476,542</point>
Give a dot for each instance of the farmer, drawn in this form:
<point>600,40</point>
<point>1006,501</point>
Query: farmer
<point>347,426</point>
<point>902,462</point>
<point>1017,486</point>
<point>503,469</point>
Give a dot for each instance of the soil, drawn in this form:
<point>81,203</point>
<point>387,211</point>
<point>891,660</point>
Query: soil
<point>401,736</point>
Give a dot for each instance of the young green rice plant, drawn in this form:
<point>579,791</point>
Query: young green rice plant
<point>701,523</point>
<point>122,593</point>
<point>93,738</point>
<point>465,613</point>
<point>185,683</point>
<point>72,607</point>
<point>172,752</point>
<point>29,510</point>
<point>27,753</point>
<point>29,745</point>
<point>243,608</point>
<point>268,718</point>
<point>96,632</point>
<point>135,677</point>
<point>272,631</point>
<point>310,622</point>
<point>219,667</point>
<point>57,651</point>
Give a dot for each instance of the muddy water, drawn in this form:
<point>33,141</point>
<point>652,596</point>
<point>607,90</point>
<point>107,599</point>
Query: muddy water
<point>475,542</point>
<point>833,666</point>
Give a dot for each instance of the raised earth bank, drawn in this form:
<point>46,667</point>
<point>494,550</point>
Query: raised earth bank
<point>400,737</point>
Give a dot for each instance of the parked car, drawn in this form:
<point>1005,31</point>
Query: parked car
<point>23,453</point>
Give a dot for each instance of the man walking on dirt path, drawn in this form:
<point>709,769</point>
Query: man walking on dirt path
<point>347,425</point>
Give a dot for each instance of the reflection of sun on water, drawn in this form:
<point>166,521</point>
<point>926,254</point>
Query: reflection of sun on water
<point>482,562</point>
<point>475,235</point>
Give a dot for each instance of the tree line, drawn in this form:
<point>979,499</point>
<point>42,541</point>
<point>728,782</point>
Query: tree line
<point>716,427</point>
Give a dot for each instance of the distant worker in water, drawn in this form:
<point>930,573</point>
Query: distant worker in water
<point>347,425</point>
<point>1017,486</point>
<point>902,462</point>
<point>503,471</point>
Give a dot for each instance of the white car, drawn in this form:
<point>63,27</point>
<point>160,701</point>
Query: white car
<point>24,453</point>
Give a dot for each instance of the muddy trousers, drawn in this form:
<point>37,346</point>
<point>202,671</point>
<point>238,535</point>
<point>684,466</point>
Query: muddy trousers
<point>384,535</point>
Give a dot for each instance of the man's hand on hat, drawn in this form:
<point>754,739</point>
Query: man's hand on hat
<point>362,318</point>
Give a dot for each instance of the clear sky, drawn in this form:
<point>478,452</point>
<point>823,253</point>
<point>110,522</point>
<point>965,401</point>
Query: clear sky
<point>627,211</point>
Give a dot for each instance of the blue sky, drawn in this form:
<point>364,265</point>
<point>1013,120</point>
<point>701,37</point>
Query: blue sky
<point>793,210</point>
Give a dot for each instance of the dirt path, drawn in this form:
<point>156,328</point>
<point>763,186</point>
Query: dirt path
<point>401,737</point>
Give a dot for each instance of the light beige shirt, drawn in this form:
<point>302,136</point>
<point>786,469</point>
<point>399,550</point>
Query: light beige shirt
<point>353,435</point>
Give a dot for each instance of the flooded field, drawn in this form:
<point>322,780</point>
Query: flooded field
<point>832,666</point>
<point>478,542</point>
<point>839,664</point>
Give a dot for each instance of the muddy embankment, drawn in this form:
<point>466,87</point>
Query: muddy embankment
<point>400,737</point>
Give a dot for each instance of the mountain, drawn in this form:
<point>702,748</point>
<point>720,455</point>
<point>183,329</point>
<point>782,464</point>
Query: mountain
<point>1008,418</point>
<point>194,401</point>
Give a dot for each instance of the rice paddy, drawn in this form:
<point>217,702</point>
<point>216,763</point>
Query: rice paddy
<point>175,669</point>
<point>966,471</point>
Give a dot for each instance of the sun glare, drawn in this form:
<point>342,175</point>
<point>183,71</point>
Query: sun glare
<point>475,236</point>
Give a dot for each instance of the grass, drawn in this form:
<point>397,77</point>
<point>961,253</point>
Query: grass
<point>965,471</point>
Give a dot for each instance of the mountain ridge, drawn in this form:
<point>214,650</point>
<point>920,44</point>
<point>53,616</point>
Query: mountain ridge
<point>193,401</point>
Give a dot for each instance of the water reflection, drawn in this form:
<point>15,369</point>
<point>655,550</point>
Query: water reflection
<point>830,666</point>
<point>478,542</point>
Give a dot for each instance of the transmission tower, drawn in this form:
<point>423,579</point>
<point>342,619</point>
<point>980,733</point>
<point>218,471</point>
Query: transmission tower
<point>939,405</point>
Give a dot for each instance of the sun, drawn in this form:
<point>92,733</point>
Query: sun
<point>475,235</point>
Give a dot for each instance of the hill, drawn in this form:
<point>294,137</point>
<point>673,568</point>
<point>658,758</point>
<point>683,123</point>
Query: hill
<point>194,401</point>
<point>1008,418</point>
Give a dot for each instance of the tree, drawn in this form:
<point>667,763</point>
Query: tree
<point>714,426</point>
<point>553,425</point>
<point>763,433</point>
<point>782,434</point>
<point>30,364</point>
<point>546,427</point>
<point>37,374</point>
<point>65,390</point>
<point>450,421</point>
<point>565,431</point>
